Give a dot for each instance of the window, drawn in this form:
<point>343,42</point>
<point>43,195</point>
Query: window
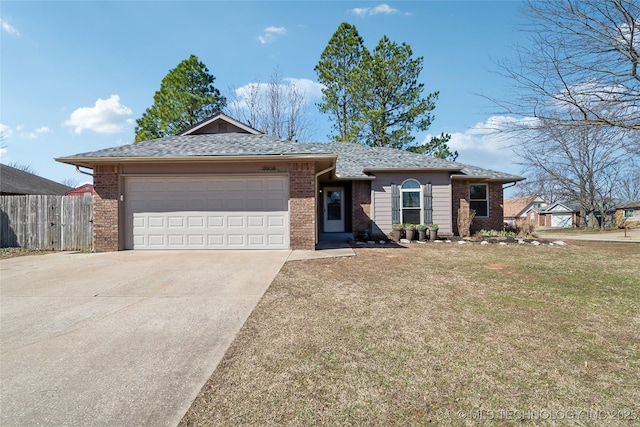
<point>628,213</point>
<point>411,202</point>
<point>479,199</point>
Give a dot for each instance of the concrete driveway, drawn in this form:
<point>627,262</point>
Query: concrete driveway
<point>124,338</point>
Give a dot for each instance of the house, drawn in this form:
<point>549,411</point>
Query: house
<point>558,215</point>
<point>536,211</point>
<point>222,184</point>
<point>85,189</point>
<point>519,210</point>
<point>628,214</point>
<point>16,182</point>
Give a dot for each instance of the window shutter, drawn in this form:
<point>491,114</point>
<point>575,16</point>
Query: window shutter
<point>395,204</point>
<point>427,203</point>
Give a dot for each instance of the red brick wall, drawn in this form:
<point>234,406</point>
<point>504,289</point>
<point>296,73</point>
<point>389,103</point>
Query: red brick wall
<point>302,205</point>
<point>460,190</point>
<point>105,209</point>
<point>361,206</point>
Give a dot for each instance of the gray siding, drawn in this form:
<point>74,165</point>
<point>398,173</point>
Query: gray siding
<point>381,198</point>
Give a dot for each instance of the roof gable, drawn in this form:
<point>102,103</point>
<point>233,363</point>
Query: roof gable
<point>220,123</point>
<point>518,206</point>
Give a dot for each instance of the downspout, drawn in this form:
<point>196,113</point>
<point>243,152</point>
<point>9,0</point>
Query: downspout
<point>316,195</point>
<point>509,186</point>
<point>84,172</point>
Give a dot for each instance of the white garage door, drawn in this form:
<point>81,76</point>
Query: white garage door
<point>207,213</point>
<point>561,220</point>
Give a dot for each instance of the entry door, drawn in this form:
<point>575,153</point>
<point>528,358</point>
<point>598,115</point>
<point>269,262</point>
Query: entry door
<point>334,209</point>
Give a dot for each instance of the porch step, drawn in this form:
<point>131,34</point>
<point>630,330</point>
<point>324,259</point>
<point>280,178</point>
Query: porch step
<point>335,237</point>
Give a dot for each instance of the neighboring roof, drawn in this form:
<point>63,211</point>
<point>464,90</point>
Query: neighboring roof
<point>629,205</point>
<point>514,206</point>
<point>19,182</point>
<point>556,207</point>
<point>354,161</point>
<point>201,127</point>
<point>81,190</point>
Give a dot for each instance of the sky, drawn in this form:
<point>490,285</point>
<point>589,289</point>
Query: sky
<point>75,76</point>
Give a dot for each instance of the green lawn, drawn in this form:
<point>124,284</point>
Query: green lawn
<point>439,334</point>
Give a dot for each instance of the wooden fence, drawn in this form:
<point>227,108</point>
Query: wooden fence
<point>61,223</point>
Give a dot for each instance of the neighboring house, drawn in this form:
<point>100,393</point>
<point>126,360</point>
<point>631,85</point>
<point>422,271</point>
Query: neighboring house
<point>535,211</point>
<point>222,184</point>
<point>520,210</point>
<point>16,182</point>
<point>81,190</point>
<point>558,215</point>
<point>628,213</point>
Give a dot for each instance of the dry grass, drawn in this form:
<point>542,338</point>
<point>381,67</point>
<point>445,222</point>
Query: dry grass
<point>16,252</point>
<point>439,335</point>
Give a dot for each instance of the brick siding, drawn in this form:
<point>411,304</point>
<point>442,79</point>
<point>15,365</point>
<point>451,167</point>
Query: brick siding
<point>460,190</point>
<point>361,206</point>
<point>302,205</point>
<point>105,209</point>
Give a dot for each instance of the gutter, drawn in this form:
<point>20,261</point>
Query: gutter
<point>88,161</point>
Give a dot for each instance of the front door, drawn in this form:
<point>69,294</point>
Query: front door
<point>334,210</point>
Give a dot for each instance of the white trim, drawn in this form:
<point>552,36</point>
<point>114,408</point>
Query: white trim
<point>221,117</point>
<point>338,224</point>
<point>487,198</point>
<point>420,198</point>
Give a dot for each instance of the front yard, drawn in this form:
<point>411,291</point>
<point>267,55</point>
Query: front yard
<point>439,335</point>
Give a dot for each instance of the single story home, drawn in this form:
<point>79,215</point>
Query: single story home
<point>224,185</point>
<point>16,182</point>
<point>536,211</point>
<point>628,214</point>
<point>518,210</point>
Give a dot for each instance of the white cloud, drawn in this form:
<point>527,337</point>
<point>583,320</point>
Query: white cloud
<point>42,130</point>
<point>106,116</point>
<point>488,144</point>
<point>381,9</point>
<point>5,131</point>
<point>311,89</point>
<point>270,34</point>
<point>8,28</point>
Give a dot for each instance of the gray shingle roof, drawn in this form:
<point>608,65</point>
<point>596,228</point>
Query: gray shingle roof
<point>354,160</point>
<point>16,181</point>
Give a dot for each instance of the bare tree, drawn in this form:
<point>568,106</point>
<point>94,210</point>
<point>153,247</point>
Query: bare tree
<point>277,108</point>
<point>70,182</point>
<point>582,65</point>
<point>582,164</point>
<point>22,167</point>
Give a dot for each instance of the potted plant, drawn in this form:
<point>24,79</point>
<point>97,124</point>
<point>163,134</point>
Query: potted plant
<point>422,231</point>
<point>409,230</point>
<point>396,234</point>
<point>433,231</point>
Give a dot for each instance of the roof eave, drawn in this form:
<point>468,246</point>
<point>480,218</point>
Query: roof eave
<point>488,178</point>
<point>90,161</point>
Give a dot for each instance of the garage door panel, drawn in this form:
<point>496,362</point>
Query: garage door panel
<point>255,221</point>
<point>157,240</point>
<point>235,240</point>
<point>213,213</point>
<point>276,221</point>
